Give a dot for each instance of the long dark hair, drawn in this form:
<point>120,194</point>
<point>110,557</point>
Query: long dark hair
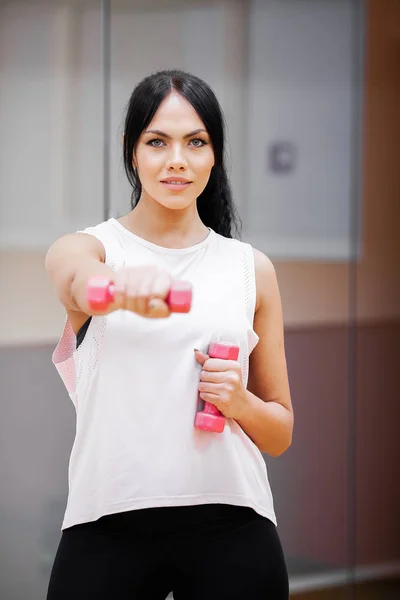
<point>215,204</point>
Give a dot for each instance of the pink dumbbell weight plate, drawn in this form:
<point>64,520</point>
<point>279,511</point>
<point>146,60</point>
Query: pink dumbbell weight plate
<point>100,293</point>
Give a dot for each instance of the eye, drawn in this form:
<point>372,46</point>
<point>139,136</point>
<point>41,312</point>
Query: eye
<point>198,142</point>
<point>156,143</point>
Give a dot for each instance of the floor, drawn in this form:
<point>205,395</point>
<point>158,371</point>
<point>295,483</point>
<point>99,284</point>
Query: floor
<point>385,590</point>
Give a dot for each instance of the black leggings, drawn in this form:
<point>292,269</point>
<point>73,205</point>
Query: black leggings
<point>197,552</point>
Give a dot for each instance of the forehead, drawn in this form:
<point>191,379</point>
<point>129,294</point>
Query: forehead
<point>176,115</point>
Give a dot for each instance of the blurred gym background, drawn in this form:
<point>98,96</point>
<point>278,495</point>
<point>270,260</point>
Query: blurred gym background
<point>311,93</point>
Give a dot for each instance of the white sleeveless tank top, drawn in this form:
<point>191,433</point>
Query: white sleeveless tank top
<point>134,385</point>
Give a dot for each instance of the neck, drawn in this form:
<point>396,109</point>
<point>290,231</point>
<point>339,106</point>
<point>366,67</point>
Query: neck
<point>164,226</point>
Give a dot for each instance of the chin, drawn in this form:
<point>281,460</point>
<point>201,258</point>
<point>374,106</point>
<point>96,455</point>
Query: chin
<point>176,202</point>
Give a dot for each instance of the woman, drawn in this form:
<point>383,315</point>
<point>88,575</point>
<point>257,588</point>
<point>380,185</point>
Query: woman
<point>155,504</point>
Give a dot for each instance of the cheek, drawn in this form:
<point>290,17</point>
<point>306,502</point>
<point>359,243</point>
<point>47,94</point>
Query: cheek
<point>149,164</point>
<point>204,163</point>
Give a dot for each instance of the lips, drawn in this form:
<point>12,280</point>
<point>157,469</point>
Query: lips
<point>176,180</point>
<point>176,183</point>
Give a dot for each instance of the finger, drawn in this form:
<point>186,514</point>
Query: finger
<point>119,290</point>
<point>131,292</point>
<point>212,388</point>
<point>211,398</point>
<point>213,376</point>
<point>142,304</point>
<point>161,285</point>
<point>143,292</point>
<point>137,296</point>
<point>200,356</point>
<point>220,364</point>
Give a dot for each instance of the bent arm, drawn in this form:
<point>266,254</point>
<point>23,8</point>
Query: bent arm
<point>268,418</point>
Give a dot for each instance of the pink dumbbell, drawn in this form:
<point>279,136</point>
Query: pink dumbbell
<point>100,292</point>
<point>210,418</point>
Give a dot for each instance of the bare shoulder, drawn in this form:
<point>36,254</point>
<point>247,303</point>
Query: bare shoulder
<point>263,264</point>
<point>266,282</point>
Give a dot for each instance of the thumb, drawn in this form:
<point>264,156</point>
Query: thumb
<point>158,309</point>
<point>200,356</point>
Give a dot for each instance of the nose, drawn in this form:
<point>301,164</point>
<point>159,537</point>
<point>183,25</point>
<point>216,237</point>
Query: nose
<point>176,160</point>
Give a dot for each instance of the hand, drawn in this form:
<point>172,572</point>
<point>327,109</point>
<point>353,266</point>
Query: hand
<point>143,290</point>
<point>221,384</point>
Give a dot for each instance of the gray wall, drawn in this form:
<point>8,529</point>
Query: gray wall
<point>54,180</point>
<point>36,435</point>
<point>283,71</point>
<point>314,501</point>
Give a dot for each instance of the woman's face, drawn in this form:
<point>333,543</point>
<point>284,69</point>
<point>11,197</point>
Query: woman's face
<point>174,155</point>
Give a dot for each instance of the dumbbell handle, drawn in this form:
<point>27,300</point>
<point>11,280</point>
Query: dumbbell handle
<point>100,294</point>
<point>210,418</point>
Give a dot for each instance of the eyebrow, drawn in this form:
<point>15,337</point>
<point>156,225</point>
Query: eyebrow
<point>163,134</point>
